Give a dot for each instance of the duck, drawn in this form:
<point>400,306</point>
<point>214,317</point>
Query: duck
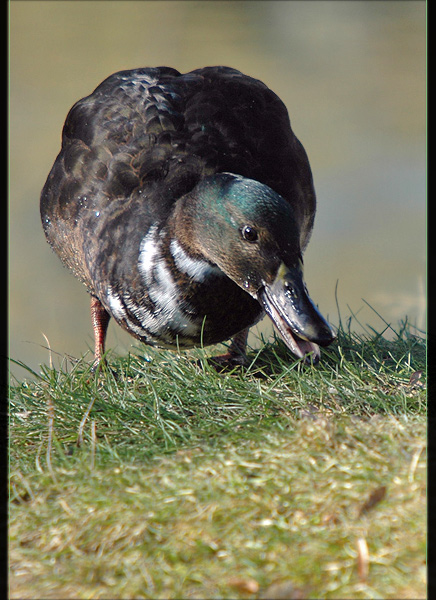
<point>184,202</point>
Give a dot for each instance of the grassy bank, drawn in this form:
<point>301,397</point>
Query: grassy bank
<point>164,479</point>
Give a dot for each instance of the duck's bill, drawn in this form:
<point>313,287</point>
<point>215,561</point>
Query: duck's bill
<point>295,316</point>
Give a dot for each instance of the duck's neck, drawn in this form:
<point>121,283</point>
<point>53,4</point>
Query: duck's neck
<point>184,244</point>
<point>182,226</point>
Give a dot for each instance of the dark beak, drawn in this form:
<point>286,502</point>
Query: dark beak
<point>287,302</point>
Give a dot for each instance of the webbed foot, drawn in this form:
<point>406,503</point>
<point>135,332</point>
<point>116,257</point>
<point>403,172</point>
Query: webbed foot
<point>235,357</point>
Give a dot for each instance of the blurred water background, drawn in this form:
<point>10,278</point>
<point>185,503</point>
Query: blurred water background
<point>353,77</point>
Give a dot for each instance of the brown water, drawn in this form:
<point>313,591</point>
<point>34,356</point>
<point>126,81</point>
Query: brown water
<point>352,75</point>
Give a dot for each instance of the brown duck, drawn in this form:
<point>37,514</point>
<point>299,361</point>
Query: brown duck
<point>184,203</point>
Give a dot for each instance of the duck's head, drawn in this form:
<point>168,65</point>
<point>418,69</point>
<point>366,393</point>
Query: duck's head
<point>251,233</point>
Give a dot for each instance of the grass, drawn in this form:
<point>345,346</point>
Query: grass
<point>168,480</point>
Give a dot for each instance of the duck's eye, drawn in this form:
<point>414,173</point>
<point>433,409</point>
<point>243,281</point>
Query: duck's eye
<point>249,233</point>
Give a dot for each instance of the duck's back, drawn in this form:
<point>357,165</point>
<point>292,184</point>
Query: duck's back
<point>146,137</point>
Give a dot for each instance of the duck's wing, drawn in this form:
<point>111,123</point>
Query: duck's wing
<point>117,144</point>
<point>237,124</point>
<point>113,141</point>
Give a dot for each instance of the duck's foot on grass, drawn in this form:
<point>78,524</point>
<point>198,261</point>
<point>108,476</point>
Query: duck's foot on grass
<point>227,362</point>
<point>235,357</point>
<point>101,367</point>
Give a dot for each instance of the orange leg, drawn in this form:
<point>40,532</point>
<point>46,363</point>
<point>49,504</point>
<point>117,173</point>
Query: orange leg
<point>236,353</point>
<point>239,343</point>
<point>100,321</point>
